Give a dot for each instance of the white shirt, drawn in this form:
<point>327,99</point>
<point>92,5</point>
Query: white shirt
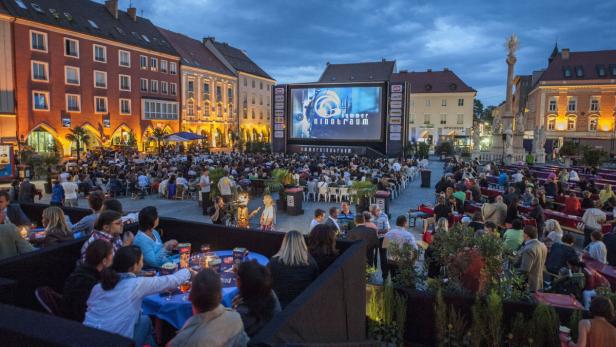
<point>593,217</point>
<point>117,310</point>
<point>70,190</point>
<point>597,250</point>
<point>182,181</point>
<point>313,224</point>
<point>396,167</point>
<point>517,177</point>
<point>398,236</point>
<point>573,176</point>
<point>204,183</point>
<point>224,185</point>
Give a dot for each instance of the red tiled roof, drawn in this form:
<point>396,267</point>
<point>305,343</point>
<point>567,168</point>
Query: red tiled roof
<point>588,61</point>
<point>445,81</point>
<point>194,53</point>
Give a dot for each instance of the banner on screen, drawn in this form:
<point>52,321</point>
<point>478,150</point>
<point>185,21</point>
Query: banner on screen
<point>340,113</point>
<point>6,162</point>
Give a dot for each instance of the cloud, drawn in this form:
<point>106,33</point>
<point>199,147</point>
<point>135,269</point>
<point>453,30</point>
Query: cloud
<point>297,74</point>
<point>448,36</point>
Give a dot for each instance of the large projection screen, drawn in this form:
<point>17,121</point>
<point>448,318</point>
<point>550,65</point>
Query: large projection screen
<point>352,113</point>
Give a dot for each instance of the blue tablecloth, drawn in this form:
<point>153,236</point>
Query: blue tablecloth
<point>176,310</point>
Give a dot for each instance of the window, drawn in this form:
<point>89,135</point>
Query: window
<point>100,104</point>
<point>39,71</point>
<point>592,123</point>
<point>245,114</point>
<point>268,87</point>
<point>124,58</point>
<point>145,38</point>
<point>230,95</point>
<point>71,48</point>
<point>100,53</point>
<point>230,109</point>
<point>551,122</point>
<point>163,66</point>
<point>157,109</point>
<point>428,103</point>
<point>190,109</point>
<point>579,71</point>
<point>38,41</point>
<point>571,123</point>
<point>613,70</point>
<point>21,4</point>
<point>40,101</point>
<point>143,61</point>
<point>125,83</point>
<point>173,68</point>
<point>444,102</point>
<point>190,89</point>
<point>154,86</point>
<point>594,105</point>
<point>601,72</point>
<point>253,99</point>
<point>218,94</point>
<point>143,84</point>
<point>552,105</point>
<point>153,64</point>
<point>460,102</point>
<point>260,99</point>
<point>253,84</point>
<point>460,119</point>
<point>100,79</point>
<point>173,89</point>
<point>206,91</point>
<point>260,114</point>
<point>443,119</point>
<point>73,103</point>
<point>125,106</point>
<point>164,87</point>
<point>219,109</point>
<point>567,72</point>
<point>252,113</point>
<point>261,85</point>
<point>426,119</point>
<point>245,82</point>
<point>71,75</point>
<point>93,24</point>
<point>571,105</point>
<point>412,118</point>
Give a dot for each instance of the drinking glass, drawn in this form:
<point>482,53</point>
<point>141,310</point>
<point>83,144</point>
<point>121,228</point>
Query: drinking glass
<point>184,288</point>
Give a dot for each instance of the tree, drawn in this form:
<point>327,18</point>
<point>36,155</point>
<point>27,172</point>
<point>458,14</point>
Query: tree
<point>486,115</point>
<point>477,109</point>
<point>159,134</point>
<point>78,135</point>
<point>131,140</point>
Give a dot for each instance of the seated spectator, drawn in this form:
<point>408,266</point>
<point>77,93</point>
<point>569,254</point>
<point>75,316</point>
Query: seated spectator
<point>322,245</point>
<point>596,248</point>
<point>495,212</point>
<point>114,304</point>
<point>11,213</point>
<point>86,224</point>
<point>528,196</point>
<point>11,242</point>
<point>56,230</point>
<point>367,234</point>
<point>113,205</point>
<point>609,240</point>
<point>512,211</point>
<point>212,324</point>
<point>155,252</point>
<point>597,331</point>
<point>79,284</point>
<point>256,302</point>
<point>477,222</point>
<point>108,227</point>
<point>560,253</point>
<point>587,201</point>
<point>537,214</point>
<point>570,281</point>
<point>514,237</point>
<point>606,193</point>
<point>489,229</point>
<point>573,206</point>
<point>553,232</point>
<point>292,268</point>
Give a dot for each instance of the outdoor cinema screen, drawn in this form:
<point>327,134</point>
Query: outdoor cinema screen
<point>336,113</point>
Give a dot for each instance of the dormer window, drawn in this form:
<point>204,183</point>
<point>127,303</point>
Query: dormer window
<point>579,71</point>
<point>93,24</point>
<point>145,38</point>
<point>37,7</point>
<point>120,30</point>
<point>68,16</point>
<point>613,69</point>
<point>54,13</point>
<point>601,72</point>
<point>567,72</point>
<point>21,4</point>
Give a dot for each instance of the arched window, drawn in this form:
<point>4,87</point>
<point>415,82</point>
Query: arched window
<point>593,122</point>
<point>551,122</point>
<point>207,109</point>
<point>219,109</point>
<point>571,123</point>
<point>42,141</point>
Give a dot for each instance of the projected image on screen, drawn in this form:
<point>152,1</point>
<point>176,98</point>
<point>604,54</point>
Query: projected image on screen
<point>345,113</point>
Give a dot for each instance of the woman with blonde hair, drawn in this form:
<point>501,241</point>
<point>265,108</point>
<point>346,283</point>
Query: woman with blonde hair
<point>553,232</point>
<point>56,229</point>
<point>442,226</point>
<point>268,216</point>
<point>292,268</point>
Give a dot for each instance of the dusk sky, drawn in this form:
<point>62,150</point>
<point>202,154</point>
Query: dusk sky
<point>292,40</point>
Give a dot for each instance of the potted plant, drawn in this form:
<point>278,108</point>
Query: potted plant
<point>281,178</point>
<point>362,192</point>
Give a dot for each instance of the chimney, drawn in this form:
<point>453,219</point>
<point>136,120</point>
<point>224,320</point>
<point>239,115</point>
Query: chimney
<point>132,13</point>
<point>429,70</point>
<point>383,59</point>
<point>208,38</point>
<point>445,69</point>
<point>112,7</point>
<point>565,54</point>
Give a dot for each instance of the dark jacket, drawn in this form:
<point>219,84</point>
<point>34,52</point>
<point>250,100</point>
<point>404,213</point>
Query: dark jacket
<point>369,236</point>
<point>512,213</point>
<point>537,214</point>
<point>558,256</point>
<point>323,260</point>
<point>290,281</point>
<point>27,191</point>
<point>609,240</point>
<point>56,236</point>
<point>255,315</point>
<point>16,215</point>
<point>77,290</point>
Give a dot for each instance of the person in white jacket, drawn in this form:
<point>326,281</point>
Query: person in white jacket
<point>114,304</point>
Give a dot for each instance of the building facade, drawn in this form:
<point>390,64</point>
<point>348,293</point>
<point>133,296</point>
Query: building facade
<point>254,88</point>
<point>575,98</point>
<point>209,92</point>
<point>8,118</point>
<point>89,65</point>
<point>440,107</point>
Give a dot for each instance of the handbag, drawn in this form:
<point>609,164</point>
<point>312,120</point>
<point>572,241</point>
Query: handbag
<point>427,237</point>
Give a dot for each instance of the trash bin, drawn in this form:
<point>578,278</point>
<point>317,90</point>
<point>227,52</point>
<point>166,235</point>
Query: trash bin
<point>295,198</point>
<point>382,200</point>
<point>425,178</point>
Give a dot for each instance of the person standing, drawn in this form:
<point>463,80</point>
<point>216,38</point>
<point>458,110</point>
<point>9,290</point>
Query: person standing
<point>532,258</point>
<point>495,212</point>
<point>397,237</point>
<point>205,185</point>
<point>224,186</point>
<point>70,193</point>
<point>593,219</point>
<point>27,191</point>
<point>57,194</point>
<point>319,217</point>
<point>362,232</point>
<point>597,331</point>
<point>332,220</point>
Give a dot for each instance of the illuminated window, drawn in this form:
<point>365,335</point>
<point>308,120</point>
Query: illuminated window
<point>552,106</point>
<point>190,109</point>
<point>571,120</point>
<point>206,108</point>
<point>601,72</point>
<point>579,71</point>
<point>567,72</point>
<point>551,123</point>
<point>40,101</point>
<point>592,123</point>
<point>594,105</point>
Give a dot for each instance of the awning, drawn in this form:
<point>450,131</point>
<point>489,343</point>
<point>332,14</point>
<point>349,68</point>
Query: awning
<point>184,136</point>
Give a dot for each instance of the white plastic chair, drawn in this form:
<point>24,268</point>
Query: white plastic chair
<point>333,191</point>
<point>312,190</point>
<point>343,193</point>
<point>322,193</point>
